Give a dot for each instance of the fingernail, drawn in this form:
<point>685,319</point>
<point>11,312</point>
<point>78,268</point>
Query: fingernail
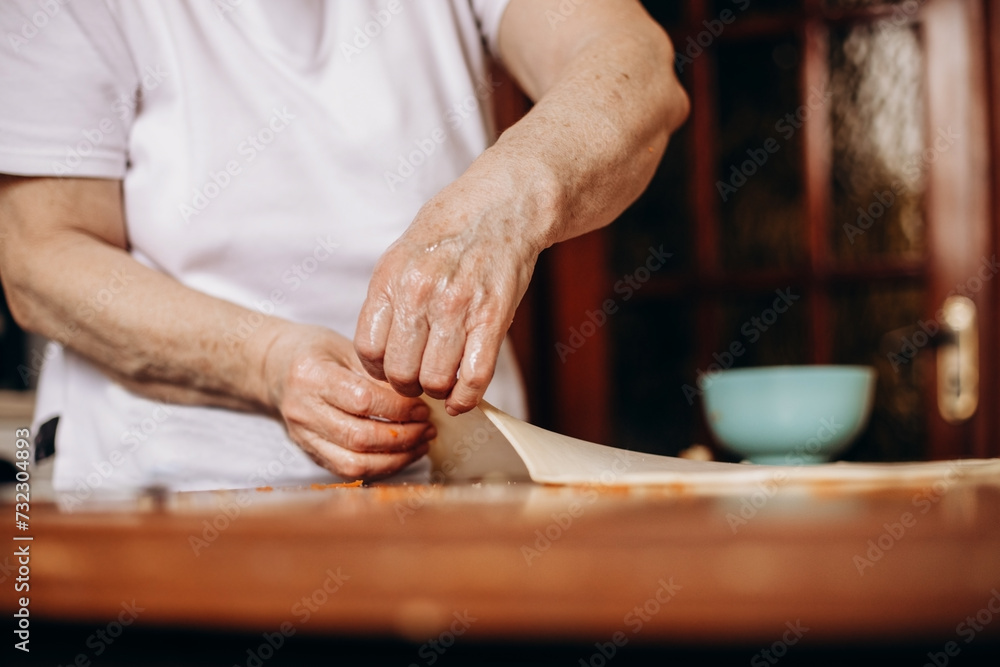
<point>430,432</point>
<point>419,413</point>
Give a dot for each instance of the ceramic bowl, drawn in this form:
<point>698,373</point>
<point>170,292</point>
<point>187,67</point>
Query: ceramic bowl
<point>788,415</point>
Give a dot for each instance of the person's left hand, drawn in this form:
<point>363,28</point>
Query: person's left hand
<point>444,294</point>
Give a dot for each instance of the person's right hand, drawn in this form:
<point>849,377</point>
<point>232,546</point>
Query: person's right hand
<point>349,423</point>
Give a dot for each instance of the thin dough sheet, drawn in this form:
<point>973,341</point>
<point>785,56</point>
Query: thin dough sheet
<point>552,458</point>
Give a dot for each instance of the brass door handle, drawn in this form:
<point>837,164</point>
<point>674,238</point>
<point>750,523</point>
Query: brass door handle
<point>958,360</point>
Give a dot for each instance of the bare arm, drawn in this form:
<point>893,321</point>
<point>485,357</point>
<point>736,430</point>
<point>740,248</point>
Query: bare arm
<point>607,102</point>
<point>67,276</point>
<point>444,295</point>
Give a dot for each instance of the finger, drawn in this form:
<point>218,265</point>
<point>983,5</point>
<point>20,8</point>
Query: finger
<point>442,357</point>
<point>361,396</point>
<point>370,436</point>
<point>357,465</point>
<point>372,332</point>
<point>403,353</point>
<point>476,370</point>
<point>360,434</point>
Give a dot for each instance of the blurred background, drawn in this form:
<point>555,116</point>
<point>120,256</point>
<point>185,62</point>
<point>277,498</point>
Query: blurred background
<point>838,152</point>
<point>832,186</point>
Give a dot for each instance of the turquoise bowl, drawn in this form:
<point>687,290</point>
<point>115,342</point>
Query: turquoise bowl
<point>788,415</point>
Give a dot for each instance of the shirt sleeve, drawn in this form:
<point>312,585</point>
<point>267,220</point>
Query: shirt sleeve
<point>69,89</point>
<point>489,13</point>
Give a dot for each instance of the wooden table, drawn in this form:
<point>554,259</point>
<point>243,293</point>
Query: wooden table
<point>523,562</point>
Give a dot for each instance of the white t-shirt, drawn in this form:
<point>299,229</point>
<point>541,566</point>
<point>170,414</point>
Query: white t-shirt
<point>270,152</point>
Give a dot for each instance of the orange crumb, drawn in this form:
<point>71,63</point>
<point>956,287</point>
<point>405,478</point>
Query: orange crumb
<point>393,432</point>
<point>618,490</point>
<point>337,485</point>
<point>265,488</point>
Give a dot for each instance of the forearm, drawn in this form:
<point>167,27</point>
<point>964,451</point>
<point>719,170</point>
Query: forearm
<point>146,330</point>
<point>67,276</point>
<point>590,146</point>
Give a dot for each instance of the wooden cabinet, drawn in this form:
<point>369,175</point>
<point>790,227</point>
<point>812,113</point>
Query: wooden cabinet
<point>839,152</point>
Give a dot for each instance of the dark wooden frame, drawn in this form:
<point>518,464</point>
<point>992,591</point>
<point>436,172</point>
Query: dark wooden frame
<point>577,273</point>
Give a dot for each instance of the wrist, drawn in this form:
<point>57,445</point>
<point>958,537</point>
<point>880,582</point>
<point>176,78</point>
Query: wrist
<point>540,201</point>
<point>261,365</point>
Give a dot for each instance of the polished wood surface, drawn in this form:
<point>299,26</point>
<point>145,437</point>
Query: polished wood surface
<point>531,562</point>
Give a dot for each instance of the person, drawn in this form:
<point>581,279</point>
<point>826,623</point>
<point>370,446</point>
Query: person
<point>258,233</point>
